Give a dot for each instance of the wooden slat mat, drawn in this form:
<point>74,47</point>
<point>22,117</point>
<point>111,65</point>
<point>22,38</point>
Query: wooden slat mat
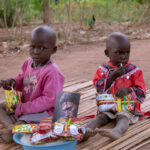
<point>137,136</point>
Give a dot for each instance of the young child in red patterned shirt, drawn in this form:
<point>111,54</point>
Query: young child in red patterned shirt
<point>119,77</point>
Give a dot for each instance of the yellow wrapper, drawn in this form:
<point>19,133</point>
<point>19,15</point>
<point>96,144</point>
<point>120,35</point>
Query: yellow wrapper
<point>25,128</point>
<point>12,98</point>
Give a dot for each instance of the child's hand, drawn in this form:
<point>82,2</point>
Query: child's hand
<point>7,84</point>
<point>122,92</point>
<point>118,72</point>
<point>10,112</point>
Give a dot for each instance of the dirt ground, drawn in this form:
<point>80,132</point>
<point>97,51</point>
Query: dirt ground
<point>80,61</point>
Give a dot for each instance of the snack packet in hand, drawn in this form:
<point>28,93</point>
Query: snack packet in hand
<point>108,102</point>
<point>12,98</point>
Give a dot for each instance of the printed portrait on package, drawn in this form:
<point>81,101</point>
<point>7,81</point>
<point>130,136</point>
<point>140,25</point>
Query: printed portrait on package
<point>66,105</point>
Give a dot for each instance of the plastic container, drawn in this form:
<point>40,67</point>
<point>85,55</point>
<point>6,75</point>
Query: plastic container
<point>68,145</point>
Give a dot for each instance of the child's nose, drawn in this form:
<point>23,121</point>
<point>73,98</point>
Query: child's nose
<point>36,50</point>
<point>123,56</point>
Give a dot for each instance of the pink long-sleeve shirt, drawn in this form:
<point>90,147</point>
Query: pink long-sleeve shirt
<point>39,87</point>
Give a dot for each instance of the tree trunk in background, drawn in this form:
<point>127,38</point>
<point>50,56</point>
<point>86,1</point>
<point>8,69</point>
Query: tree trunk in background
<point>5,17</point>
<point>46,12</point>
<point>143,14</point>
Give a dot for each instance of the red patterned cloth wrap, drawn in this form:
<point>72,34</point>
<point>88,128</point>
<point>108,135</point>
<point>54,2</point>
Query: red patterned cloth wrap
<point>68,128</point>
<point>25,128</point>
<point>45,125</point>
<point>38,138</point>
<point>108,102</point>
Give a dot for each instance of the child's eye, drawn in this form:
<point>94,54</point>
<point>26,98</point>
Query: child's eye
<point>43,48</point>
<point>32,46</point>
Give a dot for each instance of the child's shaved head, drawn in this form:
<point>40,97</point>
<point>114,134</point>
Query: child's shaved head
<point>44,33</point>
<point>117,38</point>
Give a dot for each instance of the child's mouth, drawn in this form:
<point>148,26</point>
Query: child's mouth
<point>123,61</point>
<point>36,58</point>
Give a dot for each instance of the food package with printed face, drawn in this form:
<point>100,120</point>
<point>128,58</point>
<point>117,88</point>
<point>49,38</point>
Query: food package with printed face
<point>68,128</point>
<point>25,128</point>
<point>12,98</point>
<point>108,102</point>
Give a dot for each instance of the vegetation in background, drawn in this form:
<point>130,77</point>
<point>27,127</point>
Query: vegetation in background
<point>82,11</point>
<point>70,15</point>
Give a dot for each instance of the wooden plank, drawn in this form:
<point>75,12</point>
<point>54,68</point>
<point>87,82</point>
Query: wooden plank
<point>7,146</point>
<point>16,147</point>
<point>141,145</point>
<point>137,126</point>
<point>86,111</point>
<point>87,89</point>
<point>128,143</point>
<point>98,139</point>
<point>78,87</point>
<point>94,142</point>
<point>91,98</point>
<point>134,137</point>
<point>73,82</point>
<point>107,147</point>
<point>89,93</point>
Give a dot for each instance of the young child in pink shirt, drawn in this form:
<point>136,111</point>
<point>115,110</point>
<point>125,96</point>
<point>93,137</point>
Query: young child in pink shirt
<point>39,82</point>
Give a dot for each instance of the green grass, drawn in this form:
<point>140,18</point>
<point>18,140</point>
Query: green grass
<point>108,11</point>
<point>103,10</point>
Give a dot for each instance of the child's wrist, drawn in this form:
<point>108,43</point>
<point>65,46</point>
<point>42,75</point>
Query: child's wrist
<point>13,83</point>
<point>113,77</point>
<point>129,90</point>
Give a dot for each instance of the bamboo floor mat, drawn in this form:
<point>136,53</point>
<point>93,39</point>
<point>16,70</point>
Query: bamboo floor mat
<point>136,138</point>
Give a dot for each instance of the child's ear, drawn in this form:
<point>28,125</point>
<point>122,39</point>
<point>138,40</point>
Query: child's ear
<point>54,49</point>
<point>106,52</point>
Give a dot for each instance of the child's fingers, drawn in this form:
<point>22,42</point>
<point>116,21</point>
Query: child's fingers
<point>122,92</point>
<point>9,112</point>
<point>121,70</point>
<point>8,84</point>
<point>13,107</point>
<point>121,65</point>
<point>13,83</point>
<point>1,83</point>
<point>119,93</point>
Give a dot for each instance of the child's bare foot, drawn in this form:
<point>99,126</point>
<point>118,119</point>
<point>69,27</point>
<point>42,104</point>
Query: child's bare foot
<point>6,135</point>
<point>89,133</point>
<point>111,133</point>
